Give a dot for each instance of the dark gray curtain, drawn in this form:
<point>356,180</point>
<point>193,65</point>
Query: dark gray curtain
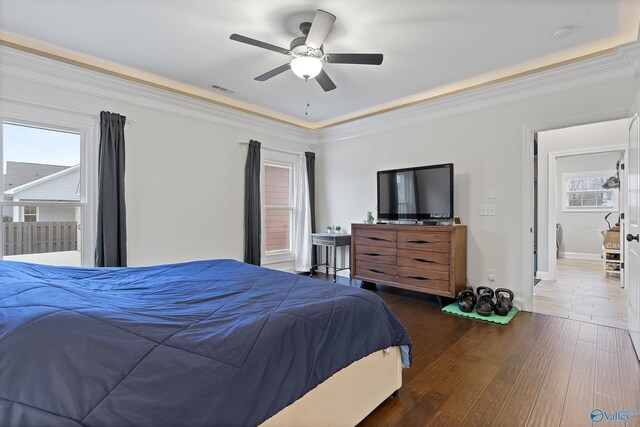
<point>311,179</point>
<point>111,244</point>
<point>252,223</point>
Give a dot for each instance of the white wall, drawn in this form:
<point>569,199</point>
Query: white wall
<point>486,149</point>
<point>592,135</point>
<point>184,167</point>
<point>580,229</point>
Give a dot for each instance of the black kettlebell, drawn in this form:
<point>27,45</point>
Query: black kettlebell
<point>466,300</point>
<point>502,307</point>
<point>507,299</point>
<point>485,290</point>
<point>484,305</point>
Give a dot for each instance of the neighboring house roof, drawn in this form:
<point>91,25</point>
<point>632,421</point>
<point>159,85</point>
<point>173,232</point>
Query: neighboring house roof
<point>67,189</point>
<point>20,173</point>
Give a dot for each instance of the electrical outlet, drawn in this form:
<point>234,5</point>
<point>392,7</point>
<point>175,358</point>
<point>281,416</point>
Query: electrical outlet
<point>491,275</point>
<point>487,210</point>
<point>491,193</point>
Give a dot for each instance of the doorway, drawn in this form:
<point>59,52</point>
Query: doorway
<point>575,188</point>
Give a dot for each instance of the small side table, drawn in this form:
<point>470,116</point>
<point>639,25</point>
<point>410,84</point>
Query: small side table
<point>330,240</point>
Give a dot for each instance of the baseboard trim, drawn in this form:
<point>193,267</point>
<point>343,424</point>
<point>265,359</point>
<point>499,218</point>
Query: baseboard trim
<point>580,255</point>
<point>542,275</point>
<point>281,266</point>
<point>520,303</point>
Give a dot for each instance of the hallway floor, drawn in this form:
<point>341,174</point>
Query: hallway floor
<point>583,292</point>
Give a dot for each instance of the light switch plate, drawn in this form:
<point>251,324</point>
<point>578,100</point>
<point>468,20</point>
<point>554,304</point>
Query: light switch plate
<point>487,210</point>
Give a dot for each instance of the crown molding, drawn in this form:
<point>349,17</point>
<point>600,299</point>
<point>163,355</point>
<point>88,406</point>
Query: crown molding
<point>623,62</point>
<point>98,65</point>
<point>37,69</point>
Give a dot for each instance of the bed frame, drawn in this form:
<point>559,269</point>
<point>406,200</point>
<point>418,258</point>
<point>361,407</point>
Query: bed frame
<point>348,396</point>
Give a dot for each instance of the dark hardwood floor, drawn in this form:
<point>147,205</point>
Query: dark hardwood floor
<point>539,370</point>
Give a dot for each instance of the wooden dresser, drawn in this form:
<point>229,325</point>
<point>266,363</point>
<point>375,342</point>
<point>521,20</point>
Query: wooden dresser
<point>429,259</point>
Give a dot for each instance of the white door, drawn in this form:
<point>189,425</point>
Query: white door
<point>632,247</point>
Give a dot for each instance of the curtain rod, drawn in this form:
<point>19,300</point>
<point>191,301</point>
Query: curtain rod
<point>129,121</point>
<point>280,150</point>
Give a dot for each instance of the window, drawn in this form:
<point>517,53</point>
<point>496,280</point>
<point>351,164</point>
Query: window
<point>48,190</point>
<point>278,210</point>
<point>30,213</point>
<point>583,192</point>
<point>49,184</point>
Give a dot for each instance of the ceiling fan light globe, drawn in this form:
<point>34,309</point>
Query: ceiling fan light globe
<point>306,67</point>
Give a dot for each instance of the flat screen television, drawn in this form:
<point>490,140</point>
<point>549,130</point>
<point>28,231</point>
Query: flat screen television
<point>422,193</point>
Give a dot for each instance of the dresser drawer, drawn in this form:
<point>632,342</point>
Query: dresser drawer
<point>429,280</point>
<point>379,238</point>
<point>372,241</point>
<point>436,261</point>
<point>423,241</point>
<point>375,254</point>
<point>375,271</point>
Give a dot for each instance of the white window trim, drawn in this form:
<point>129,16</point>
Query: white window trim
<point>588,174</point>
<point>87,126</point>
<point>284,159</point>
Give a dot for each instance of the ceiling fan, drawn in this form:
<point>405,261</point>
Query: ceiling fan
<point>308,54</point>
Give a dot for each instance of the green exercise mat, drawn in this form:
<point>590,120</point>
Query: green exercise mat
<point>502,320</point>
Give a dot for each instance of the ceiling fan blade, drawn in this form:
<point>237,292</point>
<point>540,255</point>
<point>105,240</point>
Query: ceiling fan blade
<point>355,58</point>
<point>325,82</point>
<point>273,73</point>
<point>320,27</point>
<point>258,43</point>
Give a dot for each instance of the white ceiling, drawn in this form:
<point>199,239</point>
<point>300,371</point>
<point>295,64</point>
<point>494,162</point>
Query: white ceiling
<point>430,47</point>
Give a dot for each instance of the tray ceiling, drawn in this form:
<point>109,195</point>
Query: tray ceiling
<point>430,47</point>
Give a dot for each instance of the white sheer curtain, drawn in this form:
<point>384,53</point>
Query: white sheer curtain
<point>301,218</point>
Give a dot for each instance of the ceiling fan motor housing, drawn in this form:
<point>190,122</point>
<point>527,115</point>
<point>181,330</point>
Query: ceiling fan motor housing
<point>299,48</point>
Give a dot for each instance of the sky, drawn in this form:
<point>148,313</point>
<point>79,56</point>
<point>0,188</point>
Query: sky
<point>35,145</point>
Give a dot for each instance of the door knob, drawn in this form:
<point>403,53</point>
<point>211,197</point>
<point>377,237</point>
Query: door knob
<point>631,237</point>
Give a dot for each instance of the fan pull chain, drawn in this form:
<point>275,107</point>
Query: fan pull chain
<point>306,87</point>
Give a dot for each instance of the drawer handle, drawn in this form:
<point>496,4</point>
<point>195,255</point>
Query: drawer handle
<point>377,239</point>
<point>371,254</point>
<point>425,260</point>
<point>418,278</point>
<point>373,270</point>
<point>421,242</point>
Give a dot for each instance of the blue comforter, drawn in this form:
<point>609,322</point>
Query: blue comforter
<point>202,343</point>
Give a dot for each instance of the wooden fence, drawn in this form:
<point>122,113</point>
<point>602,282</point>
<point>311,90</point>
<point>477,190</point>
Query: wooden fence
<point>39,237</point>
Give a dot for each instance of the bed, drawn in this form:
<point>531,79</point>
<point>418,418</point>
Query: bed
<point>215,342</point>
